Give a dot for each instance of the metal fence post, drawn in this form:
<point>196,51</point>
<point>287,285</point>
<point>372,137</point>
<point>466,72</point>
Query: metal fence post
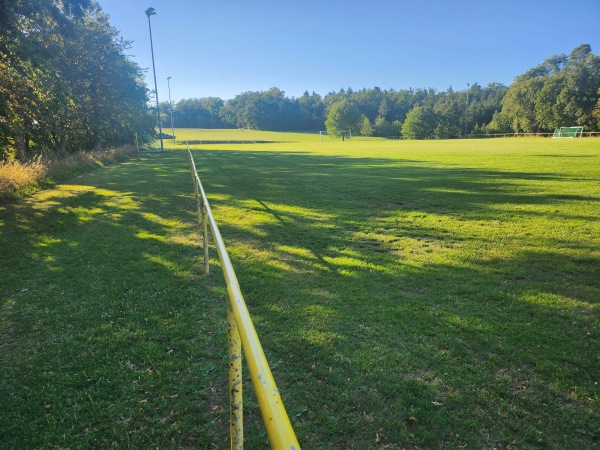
<point>201,208</point>
<point>205,239</point>
<point>236,408</point>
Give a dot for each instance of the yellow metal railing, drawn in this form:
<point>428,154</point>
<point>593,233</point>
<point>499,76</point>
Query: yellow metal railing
<point>242,335</point>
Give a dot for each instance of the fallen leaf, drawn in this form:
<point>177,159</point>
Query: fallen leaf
<point>437,403</point>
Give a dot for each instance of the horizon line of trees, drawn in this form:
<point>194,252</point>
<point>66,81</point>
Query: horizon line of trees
<point>66,84</point>
<point>561,91</point>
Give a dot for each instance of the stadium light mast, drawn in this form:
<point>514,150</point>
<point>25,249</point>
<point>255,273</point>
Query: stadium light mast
<point>171,107</point>
<point>467,109</point>
<point>152,12</point>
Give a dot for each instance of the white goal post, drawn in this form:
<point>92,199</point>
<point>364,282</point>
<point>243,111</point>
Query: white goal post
<point>568,132</point>
<point>344,134</point>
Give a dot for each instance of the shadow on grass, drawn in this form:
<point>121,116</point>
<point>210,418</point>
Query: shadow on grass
<point>400,303</point>
<point>408,300</point>
<point>108,334</point>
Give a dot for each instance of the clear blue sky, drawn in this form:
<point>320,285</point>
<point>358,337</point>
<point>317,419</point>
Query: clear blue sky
<point>222,48</point>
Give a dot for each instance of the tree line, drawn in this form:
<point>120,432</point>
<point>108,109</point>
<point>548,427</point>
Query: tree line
<point>66,84</point>
<point>564,90</point>
<point>65,81</point>
<point>375,111</point>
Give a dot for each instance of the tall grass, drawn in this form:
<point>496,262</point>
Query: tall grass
<point>18,179</point>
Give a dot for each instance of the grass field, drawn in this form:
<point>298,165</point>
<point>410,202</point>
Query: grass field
<point>431,294</point>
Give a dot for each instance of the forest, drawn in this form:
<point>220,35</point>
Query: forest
<point>563,90</point>
<point>66,84</point>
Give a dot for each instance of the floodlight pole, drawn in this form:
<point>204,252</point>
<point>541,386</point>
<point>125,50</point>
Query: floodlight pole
<point>152,12</point>
<point>171,107</point>
<point>467,110</point>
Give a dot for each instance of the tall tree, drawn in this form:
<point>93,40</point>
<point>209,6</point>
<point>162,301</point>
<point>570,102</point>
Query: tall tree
<point>71,85</point>
<point>449,111</point>
<point>420,123</point>
<point>344,115</point>
<point>596,112</point>
<point>313,109</point>
<point>561,91</point>
<point>366,129</point>
<point>384,108</point>
<point>519,105</point>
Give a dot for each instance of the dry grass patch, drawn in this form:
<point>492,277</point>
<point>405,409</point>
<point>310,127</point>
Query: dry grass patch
<point>18,179</point>
<point>16,176</point>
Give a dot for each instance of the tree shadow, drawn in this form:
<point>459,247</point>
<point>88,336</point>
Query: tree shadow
<point>470,337</point>
<point>379,289</point>
<point>105,316</point>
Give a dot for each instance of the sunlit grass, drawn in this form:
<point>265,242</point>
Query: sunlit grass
<point>101,316</point>
<point>407,295</point>
<point>440,265</point>
<point>19,179</point>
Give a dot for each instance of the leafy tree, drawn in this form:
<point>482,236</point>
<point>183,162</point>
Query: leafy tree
<point>385,129</point>
<point>212,105</point>
<point>489,103</point>
<point>548,111</point>
<point>344,115</point>
<point>313,109</point>
<point>519,105</point>
<point>449,112</point>
<point>265,110</point>
<point>198,113</point>
<point>367,128</point>
<point>561,91</point>
<point>384,108</point>
<point>596,112</point>
<point>579,94</point>
<point>579,55</point>
<point>500,123</point>
<point>401,103</point>
<point>107,87</point>
<point>66,81</point>
<point>368,101</point>
<point>420,123</point>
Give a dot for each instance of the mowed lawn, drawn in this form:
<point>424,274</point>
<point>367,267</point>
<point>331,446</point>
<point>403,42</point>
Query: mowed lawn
<point>432,294</point>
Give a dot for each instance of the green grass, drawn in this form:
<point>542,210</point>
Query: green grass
<point>434,294</point>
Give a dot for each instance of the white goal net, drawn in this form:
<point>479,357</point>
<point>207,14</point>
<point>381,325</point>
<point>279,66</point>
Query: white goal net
<point>568,132</point>
<point>335,134</point>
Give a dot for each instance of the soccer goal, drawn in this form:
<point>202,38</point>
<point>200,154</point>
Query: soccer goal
<point>568,132</point>
<point>335,134</point>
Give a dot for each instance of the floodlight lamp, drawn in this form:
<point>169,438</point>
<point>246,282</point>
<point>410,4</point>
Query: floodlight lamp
<point>150,12</point>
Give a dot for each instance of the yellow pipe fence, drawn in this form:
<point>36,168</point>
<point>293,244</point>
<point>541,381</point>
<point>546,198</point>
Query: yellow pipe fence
<point>242,335</point>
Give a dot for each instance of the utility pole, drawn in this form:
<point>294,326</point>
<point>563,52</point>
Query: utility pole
<point>171,107</point>
<point>467,110</point>
<point>152,12</point>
